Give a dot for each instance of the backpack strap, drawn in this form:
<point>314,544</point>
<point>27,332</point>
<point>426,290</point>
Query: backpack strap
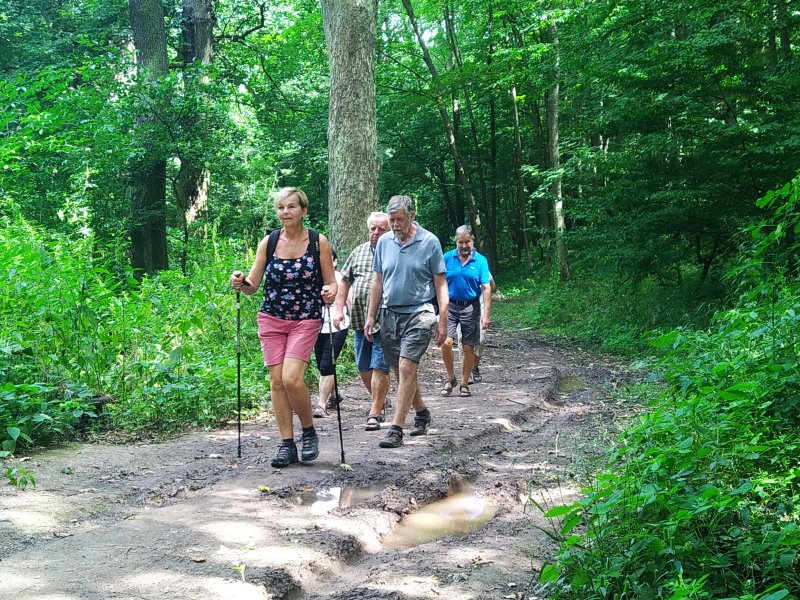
<point>272,243</point>
<point>313,240</point>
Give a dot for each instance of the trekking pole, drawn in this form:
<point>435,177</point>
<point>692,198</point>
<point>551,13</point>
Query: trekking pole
<point>336,384</point>
<point>239,370</point>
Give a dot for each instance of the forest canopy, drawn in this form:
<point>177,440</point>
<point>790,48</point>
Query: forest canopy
<point>628,166</point>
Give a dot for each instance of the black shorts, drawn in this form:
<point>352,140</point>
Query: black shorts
<point>322,350</point>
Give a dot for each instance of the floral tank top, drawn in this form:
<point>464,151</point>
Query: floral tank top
<point>291,288</point>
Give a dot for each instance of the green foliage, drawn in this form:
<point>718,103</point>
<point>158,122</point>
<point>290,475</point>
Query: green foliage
<point>20,478</point>
<point>600,310</point>
<point>162,350</point>
<point>700,499</point>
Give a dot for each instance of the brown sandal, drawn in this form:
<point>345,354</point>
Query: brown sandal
<point>463,390</point>
<point>448,387</point>
<point>376,425</point>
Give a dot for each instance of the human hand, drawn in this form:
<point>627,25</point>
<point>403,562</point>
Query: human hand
<point>370,323</point>
<point>328,295</point>
<point>485,322</point>
<point>338,316</point>
<point>441,332</point>
<point>237,280</point>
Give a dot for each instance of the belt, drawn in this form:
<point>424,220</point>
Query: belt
<point>464,302</point>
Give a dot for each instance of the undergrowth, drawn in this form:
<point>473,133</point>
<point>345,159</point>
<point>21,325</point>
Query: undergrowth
<point>156,355</point>
<point>701,496</point>
<point>600,311</point>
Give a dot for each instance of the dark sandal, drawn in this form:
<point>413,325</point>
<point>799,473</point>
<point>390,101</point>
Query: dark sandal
<point>448,387</point>
<point>463,391</point>
<point>320,412</point>
<point>376,425</point>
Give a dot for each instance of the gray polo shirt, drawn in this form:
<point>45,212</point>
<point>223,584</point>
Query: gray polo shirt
<point>408,270</point>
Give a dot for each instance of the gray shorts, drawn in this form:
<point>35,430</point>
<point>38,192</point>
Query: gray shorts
<point>406,335</point>
<point>469,317</point>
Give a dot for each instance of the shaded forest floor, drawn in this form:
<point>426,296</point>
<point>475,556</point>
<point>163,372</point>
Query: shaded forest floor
<point>446,516</point>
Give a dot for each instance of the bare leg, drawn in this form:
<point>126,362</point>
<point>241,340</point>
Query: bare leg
<point>280,402</point>
<point>380,388</point>
<point>325,389</point>
<point>468,363</point>
<point>366,379</point>
<point>448,358</point>
<point>408,393</point>
<point>296,390</point>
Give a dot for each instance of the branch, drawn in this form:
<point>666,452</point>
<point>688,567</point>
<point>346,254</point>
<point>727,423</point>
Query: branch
<point>240,37</point>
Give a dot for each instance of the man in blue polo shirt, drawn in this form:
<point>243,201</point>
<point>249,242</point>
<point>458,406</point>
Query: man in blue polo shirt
<point>468,279</point>
<point>409,270</point>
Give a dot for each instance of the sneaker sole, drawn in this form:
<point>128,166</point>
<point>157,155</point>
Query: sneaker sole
<point>309,458</point>
<point>282,465</point>
<point>389,445</point>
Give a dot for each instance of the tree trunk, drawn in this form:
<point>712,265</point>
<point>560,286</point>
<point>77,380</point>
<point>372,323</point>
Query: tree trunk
<point>148,176</point>
<point>491,210</point>
<point>555,161</point>
<point>783,30</point>
<point>461,171</point>
<point>191,185</point>
<point>519,195</point>
<point>456,53</point>
<point>350,27</point>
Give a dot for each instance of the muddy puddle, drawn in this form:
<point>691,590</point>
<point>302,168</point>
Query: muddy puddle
<point>321,502</point>
<point>567,385</point>
<point>460,514</point>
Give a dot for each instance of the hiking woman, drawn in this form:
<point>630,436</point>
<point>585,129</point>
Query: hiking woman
<point>299,280</point>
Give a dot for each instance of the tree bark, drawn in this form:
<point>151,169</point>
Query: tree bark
<point>519,195</point>
<point>148,175</point>
<point>193,180</point>
<point>555,161</point>
<point>491,210</point>
<point>456,54</point>
<point>350,27</point>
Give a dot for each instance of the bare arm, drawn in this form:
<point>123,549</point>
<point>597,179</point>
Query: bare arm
<point>375,294</point>
<point>342,299</point>
<point>486,289</point>
<point>249,285</point>
<point>443,299</point>
<point>329,287</point>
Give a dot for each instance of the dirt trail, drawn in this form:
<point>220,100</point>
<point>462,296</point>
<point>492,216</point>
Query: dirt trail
<point>186,519</point>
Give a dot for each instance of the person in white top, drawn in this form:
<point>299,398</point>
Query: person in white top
<point>322,351</point>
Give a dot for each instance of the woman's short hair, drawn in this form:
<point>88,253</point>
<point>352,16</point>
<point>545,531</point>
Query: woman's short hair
<point>287,192</point>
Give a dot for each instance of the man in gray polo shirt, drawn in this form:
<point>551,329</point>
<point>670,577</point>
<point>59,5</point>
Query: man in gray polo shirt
<point>409,271</point>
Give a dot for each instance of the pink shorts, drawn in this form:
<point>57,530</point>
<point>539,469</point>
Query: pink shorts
<point>286,339</point>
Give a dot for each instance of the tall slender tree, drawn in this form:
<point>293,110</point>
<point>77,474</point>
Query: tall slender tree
<point>196,48</point>
<point>148,173</point>
<point>438,90</point>
<point>555,154</point>
<point>350,27</point>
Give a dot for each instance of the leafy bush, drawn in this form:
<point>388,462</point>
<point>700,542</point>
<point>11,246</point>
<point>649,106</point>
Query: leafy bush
<point>160,353</point>
<point>701,497</point>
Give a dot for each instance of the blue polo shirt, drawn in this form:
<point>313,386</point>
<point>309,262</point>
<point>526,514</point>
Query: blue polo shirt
<point>408,270</point>
<point>464,281</point>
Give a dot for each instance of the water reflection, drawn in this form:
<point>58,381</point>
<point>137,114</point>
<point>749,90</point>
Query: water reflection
<point>324,501</point>
<point>460,514</point>
<point>570,384</point>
